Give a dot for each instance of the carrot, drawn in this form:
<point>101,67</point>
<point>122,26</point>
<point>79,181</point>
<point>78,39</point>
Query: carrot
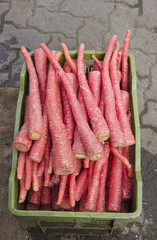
<point>55,179</point>
<point>66,201</point>
<point>121,112</point>
<point>35,122</point>
<point>63,159</point>
<point>34,196</point>
<point>26,113</point>
<point>32,206</point>
<point>119,61</point>
<point>98,122</point>
<point>82,202</point>
<point>115,186</point>
<point>96,174</point>
<point>35,178</point>
<point>41,167</point>
<point>125,98</point>
<point>62,187</point>
<point>54,198</point>
<point>21,165</point>
<point>125,82</point>
<point>28,172</point>
<point>70,61</point>
<point>69,120</point>
<point>41,68</point>
<point>72,189</point>
<point>67,68</point>
<point>46,207</point>
<point>81,184</point>
<point>46,158</point>
<point>86,163</point>
<point>78,147</point>
<point>101,193</point>
<point>45,195</point>
<point>95,67</point>
<point>23,190</point>
<point>59,96</point>
<point>94,82</point>
<point>123,159</point>
<point>78,166</point>
<point>99,63</point>
<point>92,146</point>
<point>126,181</point>
<point>38,147</point>
<point>50,163</point>
<point>116,134</point>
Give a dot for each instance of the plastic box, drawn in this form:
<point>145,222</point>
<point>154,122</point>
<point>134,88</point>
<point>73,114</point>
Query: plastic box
<point>81,223</point>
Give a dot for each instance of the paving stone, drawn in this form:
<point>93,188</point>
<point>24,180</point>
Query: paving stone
<point>121,20</point>
<point>15,38</point>
<point>91,34</point>
<point>149,16</point>
<point>149,140</point>
<point>3,78</point>
<point>142,86</point>
<point>49,4</point>
<point>130,2</point>
<point>6,57</point>
<point>150,116</point>
<point>3,7</point>
<point>143,62</point>
<point>99,10</point>
<point>20,11</point>
<point>152,89</point>
<point>144,40</point>
<point>15,71</point>
<point>58,38</point>
<point>55,22</point>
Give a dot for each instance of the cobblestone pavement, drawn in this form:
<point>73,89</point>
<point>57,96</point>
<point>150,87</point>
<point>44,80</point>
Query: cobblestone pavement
<point>28,22</point>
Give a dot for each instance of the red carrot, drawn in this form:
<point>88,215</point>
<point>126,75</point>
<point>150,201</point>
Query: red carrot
<point>123,159</point>
<point>63,183</point>
<point>98,122</point>
<point>23,191</point>
<point>50,163</point>
<point>94,82</point>
<point>96,174</point>
<point>95,67</point>
<point>125,98</point>
<point>41,168</point>
<point>72,189</point>
<point>38,147</point>
<point>78,147</point>
<point>32,206</point>
<point>119,60</point>
<point>63,159</point>
<point>115,186</point>
<point>99,63</point>
<point>121,112</point>
<point>101,104</point>
<point>45,195</point>
<point>26,114</point>
<point>35,122</point>
<point>86,163</point>
<point>21,164</point>
<point>78,166</point>
<point>58,95</point>
<point>101,193</point>
<point>125,82</point>
<point>67,68</point>
<point>68,115</point>
<point>66,201</point>
<point>81,184</point>
<point>40,65</point>
<point>82,201</point>
<point>116,134</point>
<point>46,158</point>
<point>92,146</point>
<point>34,197</point>
<point>54,198</point>
<point>35,178</point>
<point>55,179</point>
<point>68,58</point>
<point>28,172</point>
<point>126,181</point>
<point>46,207</point>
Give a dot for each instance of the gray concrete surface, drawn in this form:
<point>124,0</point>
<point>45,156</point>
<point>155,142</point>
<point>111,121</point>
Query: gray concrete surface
<point>27,22</point>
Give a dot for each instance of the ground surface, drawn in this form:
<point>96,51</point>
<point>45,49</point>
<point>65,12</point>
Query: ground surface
<point>92,22</point>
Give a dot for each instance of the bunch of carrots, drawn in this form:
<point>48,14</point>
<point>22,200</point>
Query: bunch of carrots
<point>74,143</point>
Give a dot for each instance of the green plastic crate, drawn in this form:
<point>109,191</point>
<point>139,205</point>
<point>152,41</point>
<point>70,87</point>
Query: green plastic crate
<point>81,223</point>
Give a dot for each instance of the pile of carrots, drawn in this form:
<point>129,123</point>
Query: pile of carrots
<point>74,143</point>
